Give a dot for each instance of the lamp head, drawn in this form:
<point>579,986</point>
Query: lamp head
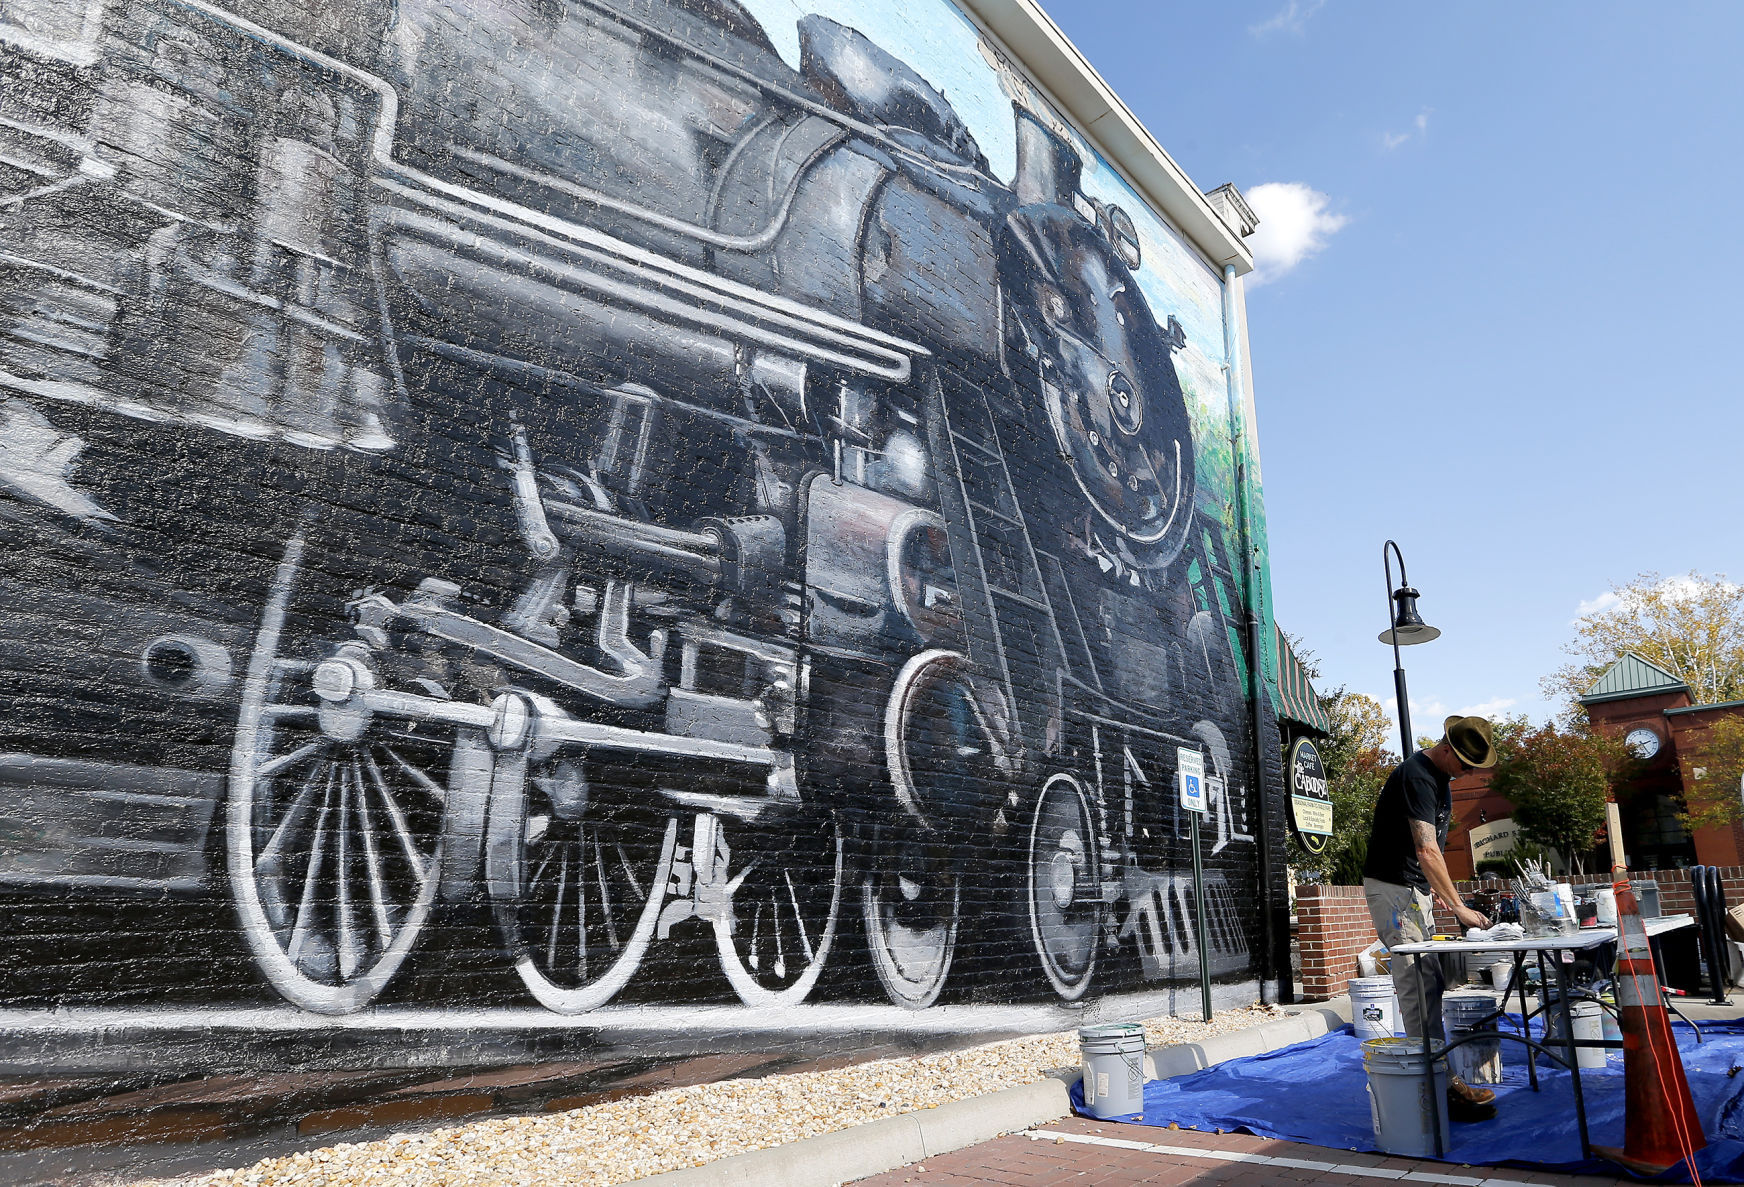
<point>1408,625</point>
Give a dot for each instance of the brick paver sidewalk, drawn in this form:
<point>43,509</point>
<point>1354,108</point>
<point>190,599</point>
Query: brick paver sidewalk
<point>1087,1153</point>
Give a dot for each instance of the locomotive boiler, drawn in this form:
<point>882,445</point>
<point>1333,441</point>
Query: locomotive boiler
<point>610,472</point>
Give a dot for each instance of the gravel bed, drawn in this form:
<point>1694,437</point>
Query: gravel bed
<point>621,1140</point>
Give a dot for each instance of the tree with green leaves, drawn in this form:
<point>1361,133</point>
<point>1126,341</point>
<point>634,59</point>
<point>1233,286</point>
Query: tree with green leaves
<point>1357,764</point>
<point>1691,625</point>
<point>1715,793</point>
<point>1558,780</point>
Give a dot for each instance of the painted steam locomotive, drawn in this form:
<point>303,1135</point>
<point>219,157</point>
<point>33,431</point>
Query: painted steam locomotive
<point>575,455</point>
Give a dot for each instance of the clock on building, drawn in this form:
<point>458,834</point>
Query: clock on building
<point>1643,743</point>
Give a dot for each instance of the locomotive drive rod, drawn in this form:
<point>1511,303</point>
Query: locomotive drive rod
<point>547,727</point>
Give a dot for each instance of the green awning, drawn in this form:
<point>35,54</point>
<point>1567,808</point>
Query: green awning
<point>1301,704</point>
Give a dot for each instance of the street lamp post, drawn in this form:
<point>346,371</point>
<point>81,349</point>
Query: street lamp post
<point>1408,628</point>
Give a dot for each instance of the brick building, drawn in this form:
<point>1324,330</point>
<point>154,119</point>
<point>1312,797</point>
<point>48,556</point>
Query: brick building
<point>1651,708</point>
<point>525,503</point>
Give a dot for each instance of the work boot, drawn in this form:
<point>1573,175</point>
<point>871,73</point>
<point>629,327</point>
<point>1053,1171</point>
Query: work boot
<point>1467,1103</point>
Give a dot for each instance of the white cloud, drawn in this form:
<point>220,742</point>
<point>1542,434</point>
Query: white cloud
<point>1594,605</point>
<point>1427,716</point>
<point>1295,223</point>
<point>1679,588</point>
<point>1292,18</point>
<point>1492,708</point>
<point>1419,128</point>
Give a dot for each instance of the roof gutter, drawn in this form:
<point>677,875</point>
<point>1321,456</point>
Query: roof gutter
<point>1704,708</point>
<point>1033,41</point>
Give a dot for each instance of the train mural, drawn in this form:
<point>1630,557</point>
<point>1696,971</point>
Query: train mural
<point>569,460</point>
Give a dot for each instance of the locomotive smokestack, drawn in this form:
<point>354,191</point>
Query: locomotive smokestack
<point>1048,168</point>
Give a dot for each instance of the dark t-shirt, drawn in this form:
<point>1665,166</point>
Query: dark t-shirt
<point>1416,790</point>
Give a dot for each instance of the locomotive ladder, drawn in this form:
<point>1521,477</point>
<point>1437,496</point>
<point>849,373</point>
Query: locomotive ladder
<point>1007,617</point>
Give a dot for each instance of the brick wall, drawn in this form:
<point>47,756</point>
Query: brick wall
<point>1332,922</point>
<point>1332,926</point>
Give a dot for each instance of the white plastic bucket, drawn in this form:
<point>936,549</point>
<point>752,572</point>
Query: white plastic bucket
<point>1607,900</point>
<point>1479,1061</point>
<point>1406,1111</point>
<point>1589,1023</point>
<point>1374,1008</point>
<point>1113,1069</point>
<point>1613,1031</point>
<point>1500,974</point>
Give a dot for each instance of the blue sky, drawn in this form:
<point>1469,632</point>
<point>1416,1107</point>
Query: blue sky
<point>1500,318</point>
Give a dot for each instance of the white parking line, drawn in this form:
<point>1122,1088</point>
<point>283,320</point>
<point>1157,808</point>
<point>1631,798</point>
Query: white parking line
<point>1303,1164</point>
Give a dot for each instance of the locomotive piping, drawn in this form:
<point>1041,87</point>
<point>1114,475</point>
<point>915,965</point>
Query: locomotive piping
<point>890,358</point>
<point>381,152</point>
<point>713,238</point>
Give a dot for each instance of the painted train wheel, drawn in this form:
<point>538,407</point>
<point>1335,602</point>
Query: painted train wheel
<point>334,821</point>
<point>1064,886</point>
<point>910,900</point>
<point>776,923</point>
<point>586,883</point>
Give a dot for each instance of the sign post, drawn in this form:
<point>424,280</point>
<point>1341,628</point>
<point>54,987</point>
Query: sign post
<point>1191,765</point>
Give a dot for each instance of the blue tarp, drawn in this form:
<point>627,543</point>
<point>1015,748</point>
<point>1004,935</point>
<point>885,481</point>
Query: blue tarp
<point>1316,1092</point>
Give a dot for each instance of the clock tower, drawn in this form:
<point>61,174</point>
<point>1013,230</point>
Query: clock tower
<point>1630,701</point>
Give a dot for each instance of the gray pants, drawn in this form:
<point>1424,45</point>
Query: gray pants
<point>1403,915</point>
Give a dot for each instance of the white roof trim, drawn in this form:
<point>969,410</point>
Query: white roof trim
<point>1054,63</point>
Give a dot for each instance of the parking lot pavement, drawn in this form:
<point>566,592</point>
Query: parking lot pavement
<point>1078,1151</point>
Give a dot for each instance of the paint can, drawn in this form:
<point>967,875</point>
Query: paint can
<point>1406,1112</point>
<point>1608,1018</point>
<point>1113,1069</point>
<point>1589,1023</point>
<point>1467,1015</point>
<point>1374,1008</point>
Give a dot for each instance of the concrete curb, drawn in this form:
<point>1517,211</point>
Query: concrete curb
<point>886,1144</point>
<point>882,1145</point>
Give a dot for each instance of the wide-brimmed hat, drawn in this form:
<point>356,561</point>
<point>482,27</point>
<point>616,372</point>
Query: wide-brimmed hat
<point>1470,739</point>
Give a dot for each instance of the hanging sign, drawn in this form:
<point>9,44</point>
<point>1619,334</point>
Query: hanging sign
<point>1191,765</point>
<point>1310,798</point>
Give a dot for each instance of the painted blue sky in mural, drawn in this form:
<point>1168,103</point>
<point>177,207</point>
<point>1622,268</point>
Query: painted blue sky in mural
<point>1515,350</point>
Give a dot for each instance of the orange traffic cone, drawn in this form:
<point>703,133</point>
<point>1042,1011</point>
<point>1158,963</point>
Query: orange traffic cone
<point>1660,1117</point>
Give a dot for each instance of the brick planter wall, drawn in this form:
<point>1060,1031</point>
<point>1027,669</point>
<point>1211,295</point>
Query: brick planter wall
<point>1332,926</point>
<point>1332,922</point>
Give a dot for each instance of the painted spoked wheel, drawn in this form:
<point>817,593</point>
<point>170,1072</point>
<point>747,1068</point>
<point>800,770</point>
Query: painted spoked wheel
<point>1064,892</point>
<point>588,879</point>
<point>910,900</point>
<point>782,893</point>
<point>334,822</point>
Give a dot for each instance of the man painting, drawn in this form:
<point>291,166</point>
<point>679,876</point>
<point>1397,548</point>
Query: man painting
<point>1405,868</point>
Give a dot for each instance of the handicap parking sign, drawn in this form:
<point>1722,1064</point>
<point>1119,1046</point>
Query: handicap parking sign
<point>1191,765</point>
